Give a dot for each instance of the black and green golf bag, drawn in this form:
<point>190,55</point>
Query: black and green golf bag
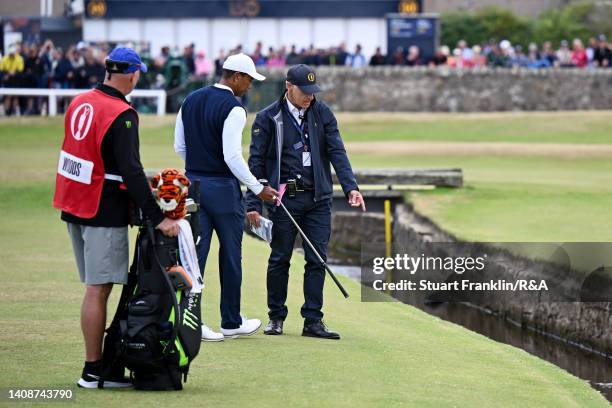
<point>156,331</point>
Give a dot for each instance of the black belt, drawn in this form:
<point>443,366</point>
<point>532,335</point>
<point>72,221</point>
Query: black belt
<point>301,187</point>
<point>293,187</point>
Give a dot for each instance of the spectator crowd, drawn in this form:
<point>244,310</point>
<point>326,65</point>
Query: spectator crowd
<point>82,65</point>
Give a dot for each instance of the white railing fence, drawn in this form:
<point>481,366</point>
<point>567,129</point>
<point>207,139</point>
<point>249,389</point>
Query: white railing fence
<point>54,94</point>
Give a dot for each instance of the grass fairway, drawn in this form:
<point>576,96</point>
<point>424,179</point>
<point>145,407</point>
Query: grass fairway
<point>391,354</point>
<point>533,187</point>
<point>529,127</point>
<point>510,198</point>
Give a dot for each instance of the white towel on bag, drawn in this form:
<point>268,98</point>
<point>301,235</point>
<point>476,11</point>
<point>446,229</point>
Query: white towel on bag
<point>189,256</point>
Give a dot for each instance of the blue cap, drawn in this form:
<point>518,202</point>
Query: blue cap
<point>125,61</point>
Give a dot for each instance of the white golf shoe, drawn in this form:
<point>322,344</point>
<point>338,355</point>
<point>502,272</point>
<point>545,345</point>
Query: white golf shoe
<point>247,328</point>
<point>209,335</point>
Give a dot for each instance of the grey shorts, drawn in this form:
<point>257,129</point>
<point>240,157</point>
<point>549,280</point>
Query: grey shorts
<point>102,253</point>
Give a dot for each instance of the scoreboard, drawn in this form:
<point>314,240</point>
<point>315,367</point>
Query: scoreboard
<point>405,30</point>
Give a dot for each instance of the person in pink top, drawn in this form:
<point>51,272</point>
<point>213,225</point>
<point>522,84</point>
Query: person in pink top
<point>203,66</point>
<point>275,59</point>
<point>579,55</point>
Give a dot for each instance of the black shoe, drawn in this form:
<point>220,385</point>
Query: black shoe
<point>274,327</point>
<point>318,329</point>
<point>91,375</point>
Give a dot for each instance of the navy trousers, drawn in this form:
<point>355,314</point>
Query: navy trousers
<point>315,220</point>
<point>222,210</point>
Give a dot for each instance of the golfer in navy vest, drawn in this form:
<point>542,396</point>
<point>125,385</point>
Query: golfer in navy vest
<point>208,137</point>
<point>293,143</point>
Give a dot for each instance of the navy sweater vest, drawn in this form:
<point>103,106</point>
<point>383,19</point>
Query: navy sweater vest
<point>204,112</point>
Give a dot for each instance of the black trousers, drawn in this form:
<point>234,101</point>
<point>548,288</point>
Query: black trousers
<point>315,220</point>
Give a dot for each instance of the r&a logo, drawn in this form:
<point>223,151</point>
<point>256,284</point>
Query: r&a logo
<point>81,119</point>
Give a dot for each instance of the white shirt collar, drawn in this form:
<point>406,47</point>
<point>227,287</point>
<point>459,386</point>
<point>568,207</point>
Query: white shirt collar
<point>295,111</point>
<point>221,86</point>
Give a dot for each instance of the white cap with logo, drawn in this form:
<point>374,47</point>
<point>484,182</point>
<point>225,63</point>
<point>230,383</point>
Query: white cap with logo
<point>242,63</point>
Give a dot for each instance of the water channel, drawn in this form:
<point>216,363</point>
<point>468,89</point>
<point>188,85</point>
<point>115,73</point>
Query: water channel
<point>580,361</point>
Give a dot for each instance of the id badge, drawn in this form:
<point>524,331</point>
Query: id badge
<point>306,159</point>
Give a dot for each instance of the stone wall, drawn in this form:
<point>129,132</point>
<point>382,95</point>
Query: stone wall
<point>584,323</point>
<point>402,89</point>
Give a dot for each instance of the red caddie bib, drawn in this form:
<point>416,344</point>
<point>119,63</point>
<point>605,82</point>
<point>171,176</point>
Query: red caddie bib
<point>80,171</point>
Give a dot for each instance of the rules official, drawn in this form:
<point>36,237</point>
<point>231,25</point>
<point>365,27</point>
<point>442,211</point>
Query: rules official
<point>293,143</point>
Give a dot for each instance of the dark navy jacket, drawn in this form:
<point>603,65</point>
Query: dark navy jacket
<point>326,148</point>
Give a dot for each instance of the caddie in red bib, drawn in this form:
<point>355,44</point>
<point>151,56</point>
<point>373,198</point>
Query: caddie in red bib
<point>80,171</point>
<point>98,174</point>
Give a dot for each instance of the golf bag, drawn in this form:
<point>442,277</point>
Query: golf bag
<point>156,331</point>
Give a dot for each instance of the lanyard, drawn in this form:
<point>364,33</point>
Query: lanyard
<point>300,129</point>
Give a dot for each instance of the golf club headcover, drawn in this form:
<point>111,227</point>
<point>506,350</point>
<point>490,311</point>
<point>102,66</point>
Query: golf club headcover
<point>179,277</point>
<point>171,188</point>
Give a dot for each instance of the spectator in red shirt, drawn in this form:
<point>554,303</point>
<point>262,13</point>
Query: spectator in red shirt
<point>579,55</point>
<point>478,59</point>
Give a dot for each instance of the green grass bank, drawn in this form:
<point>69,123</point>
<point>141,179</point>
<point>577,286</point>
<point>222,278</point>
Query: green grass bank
<point>391,354</point>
